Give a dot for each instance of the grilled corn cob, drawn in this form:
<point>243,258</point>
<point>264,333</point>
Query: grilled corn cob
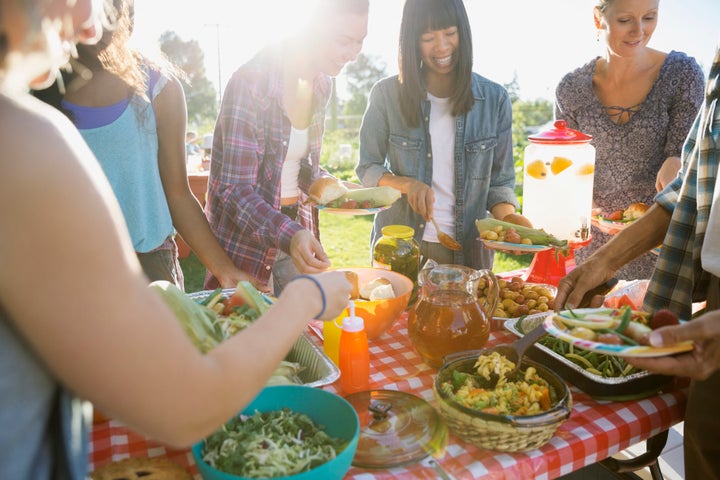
<point>538,237</point>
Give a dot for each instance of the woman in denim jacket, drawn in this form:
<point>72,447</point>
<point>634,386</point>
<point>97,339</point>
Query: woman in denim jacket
<point>441,134</point>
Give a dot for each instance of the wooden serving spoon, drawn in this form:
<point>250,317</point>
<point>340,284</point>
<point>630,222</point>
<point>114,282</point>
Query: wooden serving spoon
<point>446,240</point>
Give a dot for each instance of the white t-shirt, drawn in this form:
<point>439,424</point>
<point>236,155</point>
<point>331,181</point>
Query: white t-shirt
<point>297,149</point>
<point>442,139</point>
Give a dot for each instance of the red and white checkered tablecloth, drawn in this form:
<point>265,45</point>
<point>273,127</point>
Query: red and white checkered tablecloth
<point>594,431</point>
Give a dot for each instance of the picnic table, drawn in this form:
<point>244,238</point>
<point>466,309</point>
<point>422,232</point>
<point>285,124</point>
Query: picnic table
<point>595,430</point>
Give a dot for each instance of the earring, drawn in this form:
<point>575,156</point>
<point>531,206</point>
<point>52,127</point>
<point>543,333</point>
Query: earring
<point>597,35</point>
<point>421,64</point>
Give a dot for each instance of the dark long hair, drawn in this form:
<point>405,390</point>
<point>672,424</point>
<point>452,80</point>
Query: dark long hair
<point>419,17</point>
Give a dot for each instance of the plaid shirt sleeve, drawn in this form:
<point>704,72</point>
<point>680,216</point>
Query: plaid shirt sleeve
<point>679,278</point>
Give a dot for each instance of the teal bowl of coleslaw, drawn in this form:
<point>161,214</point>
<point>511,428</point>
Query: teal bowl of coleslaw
<point>289,432</point>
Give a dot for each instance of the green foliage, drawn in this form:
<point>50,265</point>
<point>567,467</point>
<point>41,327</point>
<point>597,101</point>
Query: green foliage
<point>526,114</point>
<point>200,94</point>
<point>361,75</point>
<point>507,263</point>
<point>194,272</point>
<point>335,157</point>
<point>346,239</point>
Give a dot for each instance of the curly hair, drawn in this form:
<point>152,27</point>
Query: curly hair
<point>111,53</point>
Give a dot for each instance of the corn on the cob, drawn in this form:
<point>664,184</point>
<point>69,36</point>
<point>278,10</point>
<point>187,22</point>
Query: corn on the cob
<point>538,237</point>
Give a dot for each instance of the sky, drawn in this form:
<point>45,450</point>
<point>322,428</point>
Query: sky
<point>533,41</point>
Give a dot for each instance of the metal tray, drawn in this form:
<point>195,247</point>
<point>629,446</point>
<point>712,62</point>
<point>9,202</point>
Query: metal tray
<point>634,386</point>
<point>318,370</point>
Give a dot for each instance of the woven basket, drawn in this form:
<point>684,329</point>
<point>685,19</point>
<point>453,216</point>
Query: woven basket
<point>503,433</point>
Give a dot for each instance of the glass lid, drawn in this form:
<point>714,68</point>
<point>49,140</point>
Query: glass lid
<point>396,428</point>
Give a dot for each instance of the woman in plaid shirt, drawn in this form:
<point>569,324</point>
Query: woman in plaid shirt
<point>686,219</point>
<point>266,146</point>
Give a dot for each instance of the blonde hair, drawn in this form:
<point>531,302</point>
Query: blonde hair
<point>602,5</point>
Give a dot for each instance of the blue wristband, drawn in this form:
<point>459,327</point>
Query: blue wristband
<point>322,293</point>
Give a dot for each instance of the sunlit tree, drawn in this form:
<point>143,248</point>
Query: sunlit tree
<point>360,76</point>
<point>200,94</point>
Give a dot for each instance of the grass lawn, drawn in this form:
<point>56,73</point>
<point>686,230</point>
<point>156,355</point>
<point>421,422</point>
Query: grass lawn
<point>346,240</point>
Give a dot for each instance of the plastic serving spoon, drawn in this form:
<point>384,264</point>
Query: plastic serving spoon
<point>446,240</point>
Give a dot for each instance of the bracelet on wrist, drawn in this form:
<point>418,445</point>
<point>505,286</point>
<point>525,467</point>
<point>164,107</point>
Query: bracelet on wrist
<point>322,293</point>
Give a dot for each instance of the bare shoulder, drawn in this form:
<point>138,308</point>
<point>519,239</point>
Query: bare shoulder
<point>170,102</point>
<point>36,135</point>
<point>172,91</point>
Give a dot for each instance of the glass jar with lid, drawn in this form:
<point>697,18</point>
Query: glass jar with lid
<point>398,251</point>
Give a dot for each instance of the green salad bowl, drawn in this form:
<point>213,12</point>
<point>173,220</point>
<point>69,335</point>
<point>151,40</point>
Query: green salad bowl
<point>330,411</point>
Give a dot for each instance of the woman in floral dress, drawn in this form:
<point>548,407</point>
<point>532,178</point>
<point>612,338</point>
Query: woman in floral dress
<point>638,104</point>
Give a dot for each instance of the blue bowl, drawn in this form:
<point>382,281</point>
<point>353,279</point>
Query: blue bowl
<point>325,408</point>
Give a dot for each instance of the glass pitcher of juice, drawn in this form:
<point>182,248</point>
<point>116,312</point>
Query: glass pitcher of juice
<point>448,317</point>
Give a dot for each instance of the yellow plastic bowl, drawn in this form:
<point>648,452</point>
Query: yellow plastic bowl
<point>380,315</point>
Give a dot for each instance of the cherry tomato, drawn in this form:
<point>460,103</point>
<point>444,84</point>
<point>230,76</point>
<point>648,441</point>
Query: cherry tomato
<point>235,300</point>
<point>617,215</point>
<point>663,318</point>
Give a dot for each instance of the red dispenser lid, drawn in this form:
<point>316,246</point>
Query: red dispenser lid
<point>560,134</point>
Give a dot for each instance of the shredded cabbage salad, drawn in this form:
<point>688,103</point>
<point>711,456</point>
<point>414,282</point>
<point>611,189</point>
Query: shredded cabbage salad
<point>270,444</point>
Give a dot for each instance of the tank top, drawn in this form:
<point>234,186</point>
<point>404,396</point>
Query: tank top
<point>127,149</point>
<point>43,428</point>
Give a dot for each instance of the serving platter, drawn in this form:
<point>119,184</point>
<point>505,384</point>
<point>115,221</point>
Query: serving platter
<point>562,333</point>
<point>352,211</point>
<point>514,247</point>
<point>636,384</point>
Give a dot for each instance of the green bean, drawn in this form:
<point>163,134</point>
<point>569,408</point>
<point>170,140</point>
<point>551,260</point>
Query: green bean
<point>624,321</point>
<point>584,361</point>
<point>616,361</point>
<point>627,340</point>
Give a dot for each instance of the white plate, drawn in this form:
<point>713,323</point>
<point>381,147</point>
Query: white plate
<point>514,247</point>
<point>352,211</point>
<point>618,350</point>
